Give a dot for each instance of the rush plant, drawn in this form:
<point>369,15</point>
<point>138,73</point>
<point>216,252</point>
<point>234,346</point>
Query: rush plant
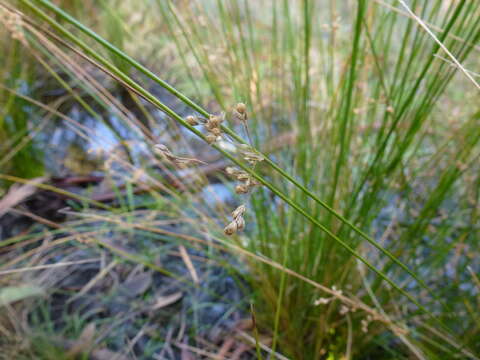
<point>360,229</point>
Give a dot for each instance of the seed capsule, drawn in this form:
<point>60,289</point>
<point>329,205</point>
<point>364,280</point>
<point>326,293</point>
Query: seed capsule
<point>241,108</point>
<point>211,138</point>
<point>216,131</point>
<point>240,223</point>
<point>239,211</point>
<point>242,176</point>
<point>215,120</point>
<point>191,120</point>
<point>230,170</point>
<point>241,189</point>
<point>231,228</point>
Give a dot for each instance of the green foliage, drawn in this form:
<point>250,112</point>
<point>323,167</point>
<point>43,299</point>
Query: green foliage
<point>19,155</point>
<point>11,294</point>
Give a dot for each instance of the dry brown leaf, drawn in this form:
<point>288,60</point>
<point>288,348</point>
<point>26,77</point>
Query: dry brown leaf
<point>17,193</point>
<point>163,301</point>
<point>138,284</point>
<point>245,324</point>
<point>84,341</point>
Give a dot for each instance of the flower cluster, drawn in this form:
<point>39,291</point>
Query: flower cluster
<point>213,126</point>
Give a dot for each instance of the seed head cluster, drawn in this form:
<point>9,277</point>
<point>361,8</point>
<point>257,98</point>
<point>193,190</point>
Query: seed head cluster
<point>238,222</point>
<point>247,182</point>
<point>212,125</point>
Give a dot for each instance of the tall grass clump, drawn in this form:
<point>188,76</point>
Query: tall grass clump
<point>360,235</point>
<point>347,102</point>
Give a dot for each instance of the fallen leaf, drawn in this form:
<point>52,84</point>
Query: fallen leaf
<point>11,294</point>
<point>138,284</point>
<point>84,341</point>
<point>163,301</point>
<point>18,193</point>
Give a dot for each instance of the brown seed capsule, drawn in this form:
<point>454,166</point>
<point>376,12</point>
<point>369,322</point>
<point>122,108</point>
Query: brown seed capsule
<point>209,125</point>
<point>240,223</point>
<point>191,120</point>
<point>241,189</point>
<point>239,211</point>
<point>230,228</point>
<point>230,170</point>
<point>243,176</point>
<point>211,138</point>
<point>215,120</point>
<point>241,108</point>
<point>216,131</point>
<point>254,182</point>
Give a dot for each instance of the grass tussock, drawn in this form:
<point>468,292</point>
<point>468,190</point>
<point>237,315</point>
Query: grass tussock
<point>344,133</point>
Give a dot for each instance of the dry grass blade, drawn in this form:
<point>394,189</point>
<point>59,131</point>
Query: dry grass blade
<point>17,193</point>
<point>163,301</point>
<point>475,278</point>
<point>188,263</point>
<point>432,26</point>
<point>187,348</point>
<point>94,280</point>
<point>226,347</point>
<point>264,347</point>
<point>444,48</point>
<point>105,354</point>
<point>49,266</point>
